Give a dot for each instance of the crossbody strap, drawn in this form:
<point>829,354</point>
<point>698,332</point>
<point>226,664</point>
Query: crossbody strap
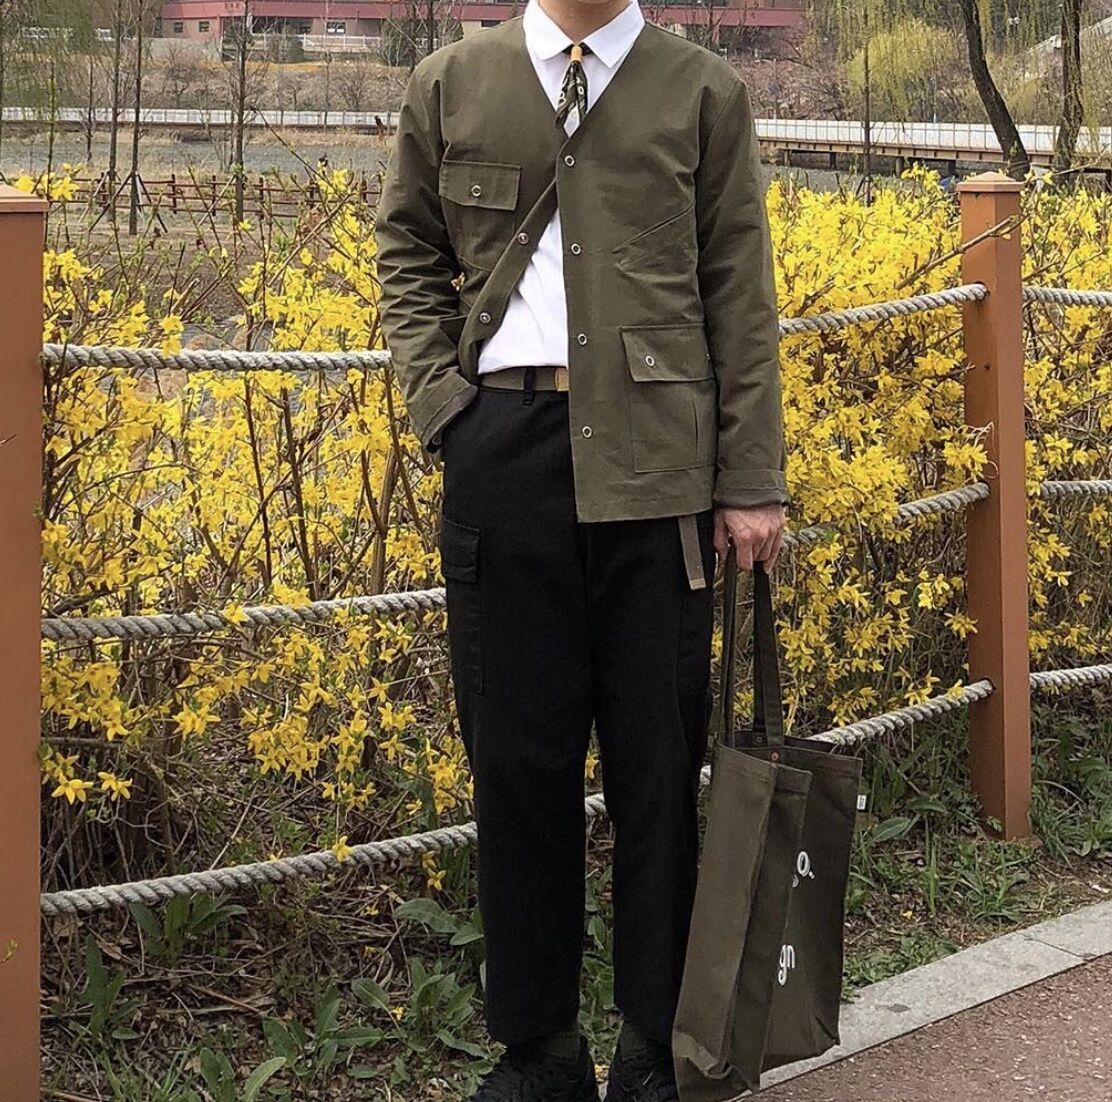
<point>768,712</point>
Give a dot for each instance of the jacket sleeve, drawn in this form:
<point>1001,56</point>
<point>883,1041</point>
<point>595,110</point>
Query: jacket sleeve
<point>416,266</point>
<point>738,290</point>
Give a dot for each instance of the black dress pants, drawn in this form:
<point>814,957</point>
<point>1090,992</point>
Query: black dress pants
<point>554,625</point>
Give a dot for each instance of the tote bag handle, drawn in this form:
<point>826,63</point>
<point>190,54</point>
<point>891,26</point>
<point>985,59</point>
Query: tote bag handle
<point>768,711</point>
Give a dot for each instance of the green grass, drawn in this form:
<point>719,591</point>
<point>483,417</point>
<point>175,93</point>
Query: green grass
<point>352,989</point>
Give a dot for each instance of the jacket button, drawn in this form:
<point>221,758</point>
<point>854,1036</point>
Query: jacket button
<point>650,361</point>
<point>588,432</point>
<point>523,238</point>
<point>575,248</point>
<point>569,160</point>
<point>582,338</point>
<point>484,317</point>
<point>476,190</point>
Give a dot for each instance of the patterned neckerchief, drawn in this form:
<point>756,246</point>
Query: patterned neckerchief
<point>574,91</point>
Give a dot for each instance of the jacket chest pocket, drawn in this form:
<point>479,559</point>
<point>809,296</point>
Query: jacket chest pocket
<point>478,199</point>
<point>673,404</point>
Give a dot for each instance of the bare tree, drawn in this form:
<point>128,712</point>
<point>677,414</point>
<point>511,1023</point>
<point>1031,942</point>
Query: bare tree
<point>355,81</point>
<point>1015,154</point>
<point>247,85</point>
<point>243,46</point>
<point>179,72</point>
<point>140,46</point>
<point>114,121</point>
<point>1072,102</point>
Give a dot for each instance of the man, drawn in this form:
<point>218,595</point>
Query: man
<point>603,385</point>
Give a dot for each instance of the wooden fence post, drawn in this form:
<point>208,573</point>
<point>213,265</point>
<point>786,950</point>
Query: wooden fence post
<point>22,220</point>
<point>996,529</point>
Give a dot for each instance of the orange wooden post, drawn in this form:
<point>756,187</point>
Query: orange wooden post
<point>996,529</point>
<point>21,245</point>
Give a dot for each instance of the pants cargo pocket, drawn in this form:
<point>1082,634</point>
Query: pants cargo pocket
<point>459,563</point>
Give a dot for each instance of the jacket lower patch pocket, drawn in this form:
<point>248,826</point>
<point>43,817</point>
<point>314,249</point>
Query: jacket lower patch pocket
<point>459,563</point>
<point>673,406</point>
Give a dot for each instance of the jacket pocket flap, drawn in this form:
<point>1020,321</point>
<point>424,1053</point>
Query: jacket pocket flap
<point>459,552</point>
<point>667,353</point>
<point>480,184</point>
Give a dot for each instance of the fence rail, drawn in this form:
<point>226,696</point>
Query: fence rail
<point>269,196</point>
<point>998,694</point>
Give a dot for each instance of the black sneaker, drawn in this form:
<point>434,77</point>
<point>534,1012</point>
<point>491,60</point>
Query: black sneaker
<point>642,1072</point>
<point>531,1073</point>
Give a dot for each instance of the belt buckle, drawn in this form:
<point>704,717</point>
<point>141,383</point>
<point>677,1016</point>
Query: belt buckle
<point>560,378</point>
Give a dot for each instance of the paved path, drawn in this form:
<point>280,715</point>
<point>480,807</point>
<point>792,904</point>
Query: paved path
<point>1051,1040</point>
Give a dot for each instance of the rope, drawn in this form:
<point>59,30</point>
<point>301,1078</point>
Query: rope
<point>946,502</point>
<point>1079,678</point>
<point>883,311</point>
<point>1093,487</point>
<point>230,359</point>
<point>209,359</point>
<point>81,901</point>
<point>891,722</point>
<point>162,625</point>
<point>72,629</point>
<point>1064,296</point>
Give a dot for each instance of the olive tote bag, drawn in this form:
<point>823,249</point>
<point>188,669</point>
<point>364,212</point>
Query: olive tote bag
<point>763,973</point>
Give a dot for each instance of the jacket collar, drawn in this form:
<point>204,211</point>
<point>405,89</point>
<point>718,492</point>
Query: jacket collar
<point>544,38</point>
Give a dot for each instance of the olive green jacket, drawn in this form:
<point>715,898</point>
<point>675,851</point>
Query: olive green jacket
<point>674,393</point>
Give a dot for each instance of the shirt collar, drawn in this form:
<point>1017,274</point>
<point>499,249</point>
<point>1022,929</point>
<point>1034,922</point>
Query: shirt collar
<point>609,43</point>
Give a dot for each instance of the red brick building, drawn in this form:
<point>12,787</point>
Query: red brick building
<point>762,23</point>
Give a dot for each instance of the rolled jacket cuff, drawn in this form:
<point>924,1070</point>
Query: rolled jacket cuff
<point>454,395</point>
<point>747,489</point>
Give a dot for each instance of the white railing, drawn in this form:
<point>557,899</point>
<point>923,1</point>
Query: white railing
<point>906,138</point>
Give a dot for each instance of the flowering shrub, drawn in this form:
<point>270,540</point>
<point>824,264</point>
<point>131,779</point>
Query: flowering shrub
<point>213,489</point>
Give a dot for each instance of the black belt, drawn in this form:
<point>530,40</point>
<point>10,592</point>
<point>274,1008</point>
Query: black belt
<point>544,377</point>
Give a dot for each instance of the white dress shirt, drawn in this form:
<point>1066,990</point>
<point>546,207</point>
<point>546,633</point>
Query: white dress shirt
<point>534,327</point>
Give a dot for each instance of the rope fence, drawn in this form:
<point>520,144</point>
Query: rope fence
<point>230,359</point>
<point>68,629</point>
<point>73,629</point>
<point>85,901</point>
<point>208,359</point>
<point>1065,296</point>
<point>1094,487</point>
<point>79,902</point>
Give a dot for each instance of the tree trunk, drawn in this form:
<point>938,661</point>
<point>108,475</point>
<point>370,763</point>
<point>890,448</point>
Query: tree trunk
<point>1072,102</point>
<point>868,113</point>
<point>114,123</point>
<point>133,206</point>
<point>91,117</point>
<point>1015,154</point>
<point>241,108</point>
